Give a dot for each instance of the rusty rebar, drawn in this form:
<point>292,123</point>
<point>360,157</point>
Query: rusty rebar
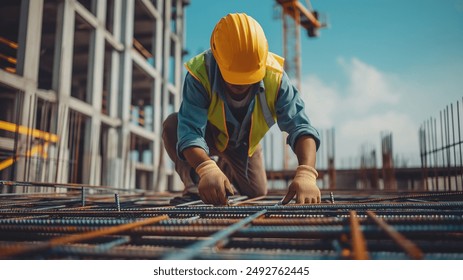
<point>359,248</point>
<point>433,222</point>
<point>34,248</point>
<point>194,249</point>
<point>409,247</point>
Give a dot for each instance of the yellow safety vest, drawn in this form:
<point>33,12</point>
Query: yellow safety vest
<point>263,115</point>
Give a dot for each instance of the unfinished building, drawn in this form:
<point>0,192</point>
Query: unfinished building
<point>84,87</point>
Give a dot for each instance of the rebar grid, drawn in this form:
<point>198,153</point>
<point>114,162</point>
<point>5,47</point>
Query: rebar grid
<point>108,224</point>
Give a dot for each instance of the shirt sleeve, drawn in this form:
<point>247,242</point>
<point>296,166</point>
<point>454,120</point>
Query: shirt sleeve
<point>192,116</point>
<point>291,115</point>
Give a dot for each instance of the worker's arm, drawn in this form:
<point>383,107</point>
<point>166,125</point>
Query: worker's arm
<point>213,184</point>
<point>192,147</point>
<point>304,184</point>
<point>192,117</point>
<point>291,114</point>
<point>306,150</point>
<point>303,139</point>
<point>195,156</point>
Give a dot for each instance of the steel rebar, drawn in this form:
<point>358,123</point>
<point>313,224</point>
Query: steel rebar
<point>359,247</point>
<point>25,249</point>
<point>194,249</point>
<point>410,248</point>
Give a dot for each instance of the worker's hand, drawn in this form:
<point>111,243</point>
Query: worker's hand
<point>304,186</point>
<point>213,184</point>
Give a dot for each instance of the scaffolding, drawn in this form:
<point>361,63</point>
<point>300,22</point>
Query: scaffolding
<point>84,87</point>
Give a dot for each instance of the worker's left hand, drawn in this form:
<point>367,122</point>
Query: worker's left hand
<point>304,186</point>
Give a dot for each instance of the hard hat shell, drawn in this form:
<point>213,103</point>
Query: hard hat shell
<point>240,48</point>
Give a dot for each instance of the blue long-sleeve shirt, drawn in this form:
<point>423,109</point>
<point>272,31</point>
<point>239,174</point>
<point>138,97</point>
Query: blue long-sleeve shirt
<point>192,116</point>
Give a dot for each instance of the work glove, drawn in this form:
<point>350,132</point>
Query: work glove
<point>304,186</point>
<point>213,184</point>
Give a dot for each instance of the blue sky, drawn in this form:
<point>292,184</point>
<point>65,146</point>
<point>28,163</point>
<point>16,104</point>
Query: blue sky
<point>383,65</point>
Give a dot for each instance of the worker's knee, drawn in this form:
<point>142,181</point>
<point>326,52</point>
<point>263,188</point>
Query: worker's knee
<point>169,128</point>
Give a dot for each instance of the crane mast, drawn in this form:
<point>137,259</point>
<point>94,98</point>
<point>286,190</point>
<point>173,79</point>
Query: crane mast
<point>294,16</point>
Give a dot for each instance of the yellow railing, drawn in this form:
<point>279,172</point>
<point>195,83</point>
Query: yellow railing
<point>36,149</point>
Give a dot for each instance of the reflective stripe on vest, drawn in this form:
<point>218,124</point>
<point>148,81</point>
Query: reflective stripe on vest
<point>263,115</point>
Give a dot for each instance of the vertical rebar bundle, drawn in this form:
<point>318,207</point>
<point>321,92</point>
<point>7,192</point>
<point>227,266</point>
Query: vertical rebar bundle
<point>441,149</point>
<point>388,162</point>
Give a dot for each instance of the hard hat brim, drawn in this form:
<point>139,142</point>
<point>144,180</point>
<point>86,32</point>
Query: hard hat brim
<point>243,78</point>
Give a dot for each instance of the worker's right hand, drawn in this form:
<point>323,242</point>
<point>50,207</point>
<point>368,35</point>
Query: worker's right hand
<point>213,184</point>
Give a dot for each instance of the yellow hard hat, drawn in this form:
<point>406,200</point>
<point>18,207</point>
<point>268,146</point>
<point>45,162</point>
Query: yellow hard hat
<point>240,48</point>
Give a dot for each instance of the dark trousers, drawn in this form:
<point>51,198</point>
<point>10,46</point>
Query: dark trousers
<point>255,184</point>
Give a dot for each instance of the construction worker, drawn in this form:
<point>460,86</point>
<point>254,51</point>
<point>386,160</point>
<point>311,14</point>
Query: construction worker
<point>233,93</point>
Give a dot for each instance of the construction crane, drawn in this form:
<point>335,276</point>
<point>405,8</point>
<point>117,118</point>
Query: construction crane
<point>294,16</point>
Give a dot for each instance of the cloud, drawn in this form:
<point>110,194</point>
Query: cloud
<point>322,101</point>
<point>355,132</point>
<point>366,106</point>
<point>367,87</point>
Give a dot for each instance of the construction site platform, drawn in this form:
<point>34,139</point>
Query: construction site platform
<point>72,221</point>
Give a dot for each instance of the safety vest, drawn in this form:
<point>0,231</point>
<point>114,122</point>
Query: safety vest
<point>263,115</point>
